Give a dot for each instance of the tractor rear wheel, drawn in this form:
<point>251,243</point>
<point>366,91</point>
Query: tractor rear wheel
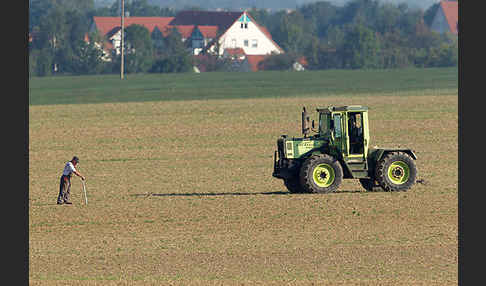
<point>396,171</point>
<point>293,185</point>
<point>321,174</point>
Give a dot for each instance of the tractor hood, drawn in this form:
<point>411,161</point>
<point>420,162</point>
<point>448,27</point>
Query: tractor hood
<point>294,148</point>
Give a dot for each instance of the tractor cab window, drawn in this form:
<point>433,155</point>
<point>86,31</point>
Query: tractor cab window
<point>355,127</point>
<point>324,123</point>
<point>337,126</point>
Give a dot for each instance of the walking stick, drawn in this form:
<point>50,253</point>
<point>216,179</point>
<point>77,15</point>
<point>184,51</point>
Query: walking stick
<point>84,190</point>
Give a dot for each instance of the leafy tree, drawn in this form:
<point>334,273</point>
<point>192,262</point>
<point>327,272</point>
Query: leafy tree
<point>42,62</point>
<point>33,55</point>
<point>442,56</point>
<point>138,49</point>
<point>312,53</point>
<point>395,57</point>
<point>171,65</point>
<point>40,9</point>
<point>72,40</point>
<point>320,15</point>
<point>409,20</point>
<point>140,8</point>
<point>423,37</point>
<point>361,48</point>
<point>291,32</point>
<point>212,62</point>
<point>174,57</point>
<point>58,26</point>
<point>173,42</point>
<point>269,20</point>
<point>50,39</point>
<point>388,18</point>
<point>359,12</point>
<point>157,41</point>
<point>87,59</point>
<point>76,25</point>
<point>321,55</point>
<point>52,29</point>
<point>278,62</point>
<point>335,36</point>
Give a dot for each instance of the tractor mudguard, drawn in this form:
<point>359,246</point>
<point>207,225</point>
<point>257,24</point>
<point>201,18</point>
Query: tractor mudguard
<point>379,152</point>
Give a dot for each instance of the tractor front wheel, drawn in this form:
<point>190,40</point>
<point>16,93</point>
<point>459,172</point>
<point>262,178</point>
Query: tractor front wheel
<point>396,171</point>
<point>321,174</point>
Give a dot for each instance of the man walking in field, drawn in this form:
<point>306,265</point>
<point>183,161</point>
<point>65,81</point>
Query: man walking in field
<point>65,183</point>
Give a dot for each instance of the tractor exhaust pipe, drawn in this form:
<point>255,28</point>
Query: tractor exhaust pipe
<point>305,123</point>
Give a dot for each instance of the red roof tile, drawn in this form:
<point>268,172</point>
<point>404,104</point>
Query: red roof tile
<point>111,25</point>
<point>208,31</point>
<point>184,30</point>
<point>107,24</point>
<point>451,12</point>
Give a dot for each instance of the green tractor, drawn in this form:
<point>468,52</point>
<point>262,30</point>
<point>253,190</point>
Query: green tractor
<point>340,150</point>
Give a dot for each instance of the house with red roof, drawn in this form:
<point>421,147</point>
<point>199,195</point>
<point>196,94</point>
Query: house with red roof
<point>235,30</point>
<point>109,28</point>
<point>446,20</point>
<point>206,32</point>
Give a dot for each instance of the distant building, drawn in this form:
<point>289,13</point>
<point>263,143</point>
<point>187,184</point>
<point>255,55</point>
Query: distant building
<point>235,30</point>
<point>217,32</point>
<point>447,18</point>
<point>109,28</point>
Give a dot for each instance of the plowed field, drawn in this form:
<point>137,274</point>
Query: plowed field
<point>181,192</point>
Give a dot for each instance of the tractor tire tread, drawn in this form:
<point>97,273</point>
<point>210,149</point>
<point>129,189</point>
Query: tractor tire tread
<point>306,171</point>
<point>381,173</point>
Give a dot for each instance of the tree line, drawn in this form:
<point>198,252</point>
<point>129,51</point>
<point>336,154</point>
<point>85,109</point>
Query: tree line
<point>361,34</point>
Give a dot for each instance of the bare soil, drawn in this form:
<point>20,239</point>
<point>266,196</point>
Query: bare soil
<point>181,193</point>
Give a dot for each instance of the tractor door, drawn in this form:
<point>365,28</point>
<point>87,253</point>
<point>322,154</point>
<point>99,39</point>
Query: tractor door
<point>357,139</point>
<point>338,125</point>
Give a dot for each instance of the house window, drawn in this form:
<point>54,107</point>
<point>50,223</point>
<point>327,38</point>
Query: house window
<point>244,21</point>
<point>233,43</point>
<point>254,43</point>
<point>245,43</point>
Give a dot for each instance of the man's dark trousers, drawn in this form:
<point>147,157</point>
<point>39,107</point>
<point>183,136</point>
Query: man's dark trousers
<point>64,189</point>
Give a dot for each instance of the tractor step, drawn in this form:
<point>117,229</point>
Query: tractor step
<point>357,166</point>
<point>359,169</point>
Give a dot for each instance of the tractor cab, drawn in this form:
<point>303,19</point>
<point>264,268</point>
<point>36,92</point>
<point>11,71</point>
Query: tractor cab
<point>346,129</point>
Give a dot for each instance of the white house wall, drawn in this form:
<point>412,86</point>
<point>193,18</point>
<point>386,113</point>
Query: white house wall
<point>235,37</point>
<point>116,41</point>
